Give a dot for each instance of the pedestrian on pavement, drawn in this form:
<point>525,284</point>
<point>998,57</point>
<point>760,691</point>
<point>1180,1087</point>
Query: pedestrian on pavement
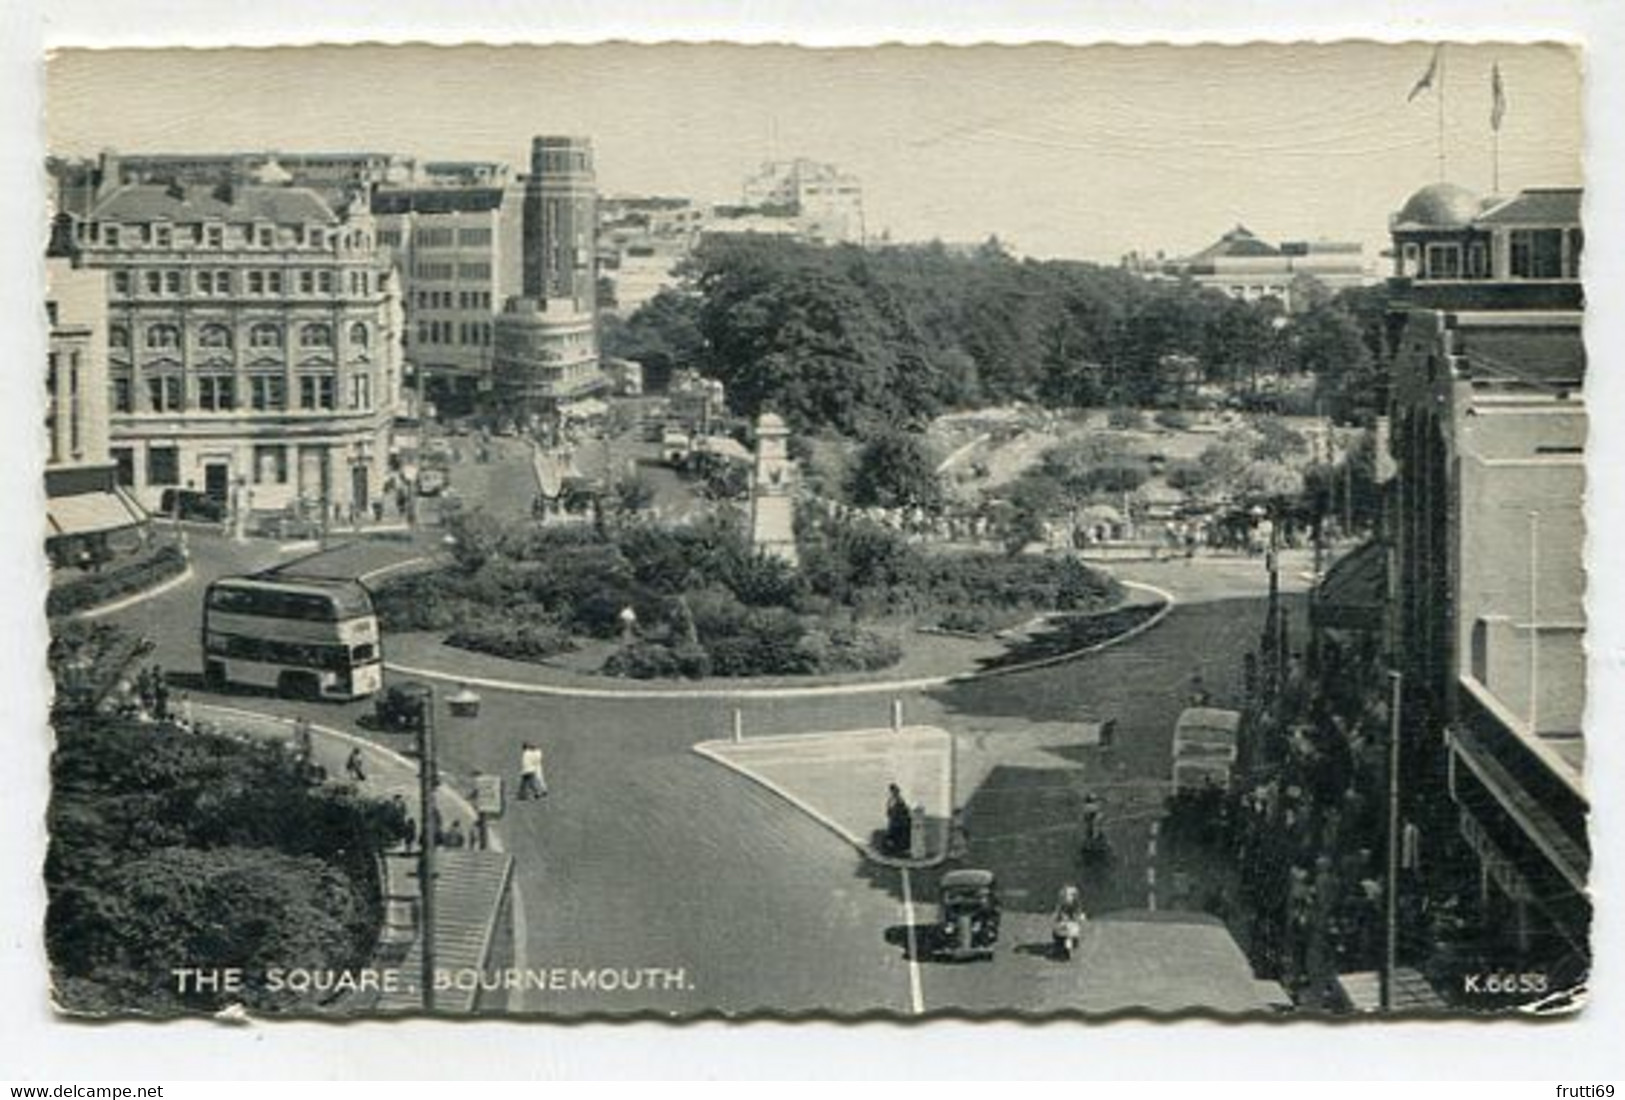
<point>184,711</point>
<point>301,738</point>
<point>1091,818</point>
<point>160,694</point>
<point>354,767</point>
<point>454,837</point>
<point>532,779</point>
<point>899,821</point>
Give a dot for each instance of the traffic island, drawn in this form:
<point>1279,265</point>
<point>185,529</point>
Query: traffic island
<point>841,778</point>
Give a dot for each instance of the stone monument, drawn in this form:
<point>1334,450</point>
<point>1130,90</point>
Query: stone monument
<point>772,500</point>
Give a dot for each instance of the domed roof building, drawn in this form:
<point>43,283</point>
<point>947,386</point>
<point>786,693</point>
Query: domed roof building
<point>1438,206</point>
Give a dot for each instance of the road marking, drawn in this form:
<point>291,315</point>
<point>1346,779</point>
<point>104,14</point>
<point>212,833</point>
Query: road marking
<point>383,570</point>
<point>915,995</point>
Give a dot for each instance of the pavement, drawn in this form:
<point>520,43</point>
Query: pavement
<point>840,780</point>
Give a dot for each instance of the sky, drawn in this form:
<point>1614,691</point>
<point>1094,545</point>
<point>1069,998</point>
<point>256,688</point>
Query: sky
<point>1083,152</point>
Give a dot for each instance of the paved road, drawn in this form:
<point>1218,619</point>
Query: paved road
<point>648,855</point>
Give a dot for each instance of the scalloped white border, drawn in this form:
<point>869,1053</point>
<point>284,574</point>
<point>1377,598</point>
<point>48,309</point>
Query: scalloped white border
<point>1574,1051</point>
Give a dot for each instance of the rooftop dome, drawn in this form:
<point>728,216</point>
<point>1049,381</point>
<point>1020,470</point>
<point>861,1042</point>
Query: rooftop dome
<point>1439,206</point>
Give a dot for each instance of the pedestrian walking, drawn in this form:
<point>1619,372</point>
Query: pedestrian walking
<point>160,695</point>
<point>532,779</point>
<point>301,738</point>
<point>354,766</point>
<point>454,837</point>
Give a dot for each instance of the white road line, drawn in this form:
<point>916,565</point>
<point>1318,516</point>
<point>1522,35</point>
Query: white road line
<point>915,995</point>
<point>120,604</point>
<point>384,570</point>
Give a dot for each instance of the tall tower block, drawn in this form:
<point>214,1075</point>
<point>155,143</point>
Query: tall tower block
<point>560,222</point>
<point>772,499</point>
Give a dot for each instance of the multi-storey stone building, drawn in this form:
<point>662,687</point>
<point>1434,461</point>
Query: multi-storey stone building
<point>1488,431</point>
<point>458,248</point>
<point>825,202</point>
<point>84,506</point>
<point>252,340</point>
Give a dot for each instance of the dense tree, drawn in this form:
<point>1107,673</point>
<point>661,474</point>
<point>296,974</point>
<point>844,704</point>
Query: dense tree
<point>1329,344</point>
<point>864,341</point>
<point>172,849</point>
<point>895,470</point>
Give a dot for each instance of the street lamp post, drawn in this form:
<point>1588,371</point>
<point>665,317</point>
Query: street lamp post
<point>428,780</point>
<point>1390,954</point>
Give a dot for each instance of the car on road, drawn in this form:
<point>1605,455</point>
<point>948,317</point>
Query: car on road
<point>432,481</point>
<point>968,925</point>
<point>1205,748</point>
<point>191,504</point>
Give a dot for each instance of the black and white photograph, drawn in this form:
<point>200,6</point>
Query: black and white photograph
<point>668,532</point>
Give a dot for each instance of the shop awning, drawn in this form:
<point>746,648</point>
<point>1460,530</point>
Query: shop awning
<point>91,513</point>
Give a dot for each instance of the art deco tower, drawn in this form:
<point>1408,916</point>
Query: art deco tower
<point>560,217</point>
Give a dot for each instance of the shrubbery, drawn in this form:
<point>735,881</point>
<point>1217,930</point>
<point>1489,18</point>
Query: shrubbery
<point>96,589</point>
<point>173,849</point>
<point>515,636</point>
<point>707,604</point>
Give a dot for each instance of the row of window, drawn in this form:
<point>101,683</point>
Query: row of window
<point>164,466</point>
<point>446,299</point>
<point>54,401</point>
<point>255,282</point>
<point>441,236</point>
<point>219,235</point>
<point>440,272</point>
<point>1531,254</point>
<point>265,335</point>
<point>166,393</point>
<point>472,334</point>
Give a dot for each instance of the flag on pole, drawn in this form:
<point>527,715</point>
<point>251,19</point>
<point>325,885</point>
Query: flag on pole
<point>1427,78</point>
<point>1498,98</point>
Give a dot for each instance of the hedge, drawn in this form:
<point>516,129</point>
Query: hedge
<point>111,584</point>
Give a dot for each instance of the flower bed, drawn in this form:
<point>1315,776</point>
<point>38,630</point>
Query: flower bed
<point>700,601</point>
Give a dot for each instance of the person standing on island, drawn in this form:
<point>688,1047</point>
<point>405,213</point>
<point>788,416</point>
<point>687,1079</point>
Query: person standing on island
<point>532,780</point>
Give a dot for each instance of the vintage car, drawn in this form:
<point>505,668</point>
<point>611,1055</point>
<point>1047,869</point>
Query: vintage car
<point>968,926</point>
<point>1205,748</point>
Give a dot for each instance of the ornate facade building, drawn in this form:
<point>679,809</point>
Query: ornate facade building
<point>252,337</point>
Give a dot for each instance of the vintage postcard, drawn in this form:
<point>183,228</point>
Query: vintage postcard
<point>678,531</point>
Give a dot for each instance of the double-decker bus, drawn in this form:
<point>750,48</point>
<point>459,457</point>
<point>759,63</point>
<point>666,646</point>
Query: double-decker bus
<point>306,637</point>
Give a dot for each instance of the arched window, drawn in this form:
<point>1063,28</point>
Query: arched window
<point>265,336</point>
<point>214,336</point>
<point>118,337</point>
<point>163,336</point>
<point>358,334</point>
<point>316,336</point>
